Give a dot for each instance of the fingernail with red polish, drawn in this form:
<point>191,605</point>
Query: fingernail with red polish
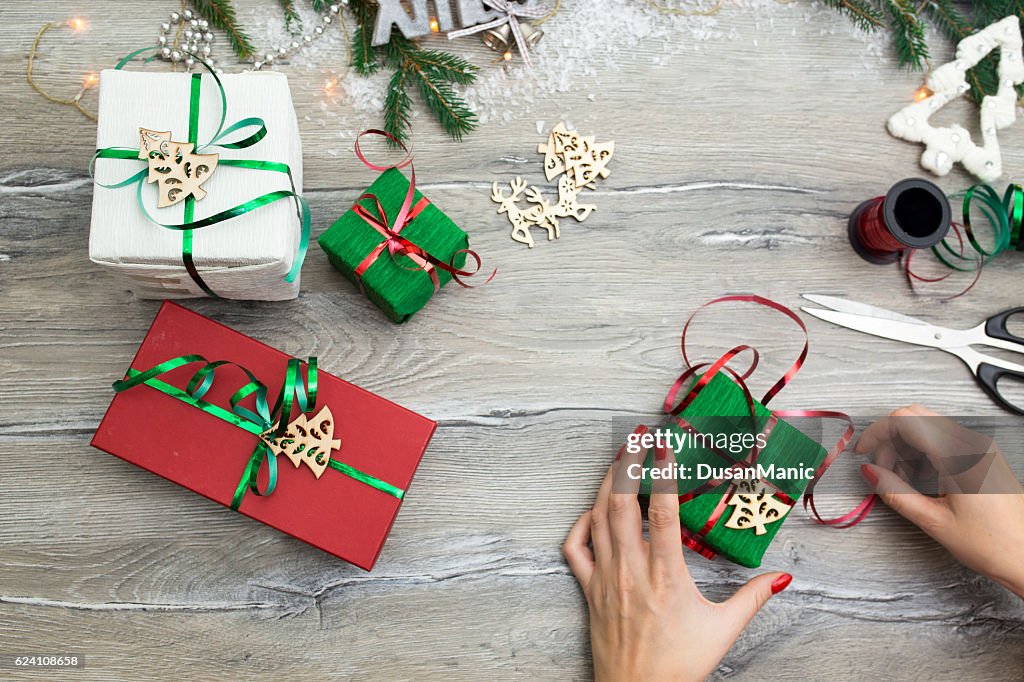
<point>781,583</point>
<point>869,474</point>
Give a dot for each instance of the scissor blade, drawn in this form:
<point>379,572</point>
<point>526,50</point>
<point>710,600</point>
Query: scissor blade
<point>846,306</point>
<point>917,333</point>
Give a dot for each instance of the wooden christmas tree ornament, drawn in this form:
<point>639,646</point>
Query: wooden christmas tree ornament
<point>754,508</point>
<point>178,172</point>
<point>307,441</point>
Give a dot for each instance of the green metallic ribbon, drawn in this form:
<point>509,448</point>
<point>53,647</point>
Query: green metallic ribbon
<point>190,223</point>
<point>1004,215</point>
<point>257,421</point>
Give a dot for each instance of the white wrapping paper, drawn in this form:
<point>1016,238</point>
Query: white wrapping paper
<point>246,257</point>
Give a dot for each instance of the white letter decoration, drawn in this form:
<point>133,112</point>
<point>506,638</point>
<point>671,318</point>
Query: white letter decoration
<point>945,146</point>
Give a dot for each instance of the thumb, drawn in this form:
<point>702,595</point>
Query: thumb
<point>752,597</point>
<point>925,512</point>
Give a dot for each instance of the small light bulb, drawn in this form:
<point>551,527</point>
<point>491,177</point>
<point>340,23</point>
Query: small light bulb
<point>922,93</point>
<point>329,86</point>
<point>507,56</point>
<point>434,27</point>
<point>78,24</point>
<point>90,81</point>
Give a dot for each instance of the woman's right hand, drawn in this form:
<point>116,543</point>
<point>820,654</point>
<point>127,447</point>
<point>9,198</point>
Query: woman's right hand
<point>979,514</point>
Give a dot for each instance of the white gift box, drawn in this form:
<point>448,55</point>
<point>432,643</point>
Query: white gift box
<point>246,257</point>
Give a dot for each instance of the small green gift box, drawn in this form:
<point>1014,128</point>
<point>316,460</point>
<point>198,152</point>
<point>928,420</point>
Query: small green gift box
<point>738,516</point>
<point>395,282</point>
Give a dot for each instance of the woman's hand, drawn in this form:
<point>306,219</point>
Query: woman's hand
<point>980,516</point>
<point>648,621</point>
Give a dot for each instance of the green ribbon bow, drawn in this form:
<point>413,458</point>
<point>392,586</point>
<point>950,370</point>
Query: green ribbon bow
<point>217,140</point>
<point>257,421</point>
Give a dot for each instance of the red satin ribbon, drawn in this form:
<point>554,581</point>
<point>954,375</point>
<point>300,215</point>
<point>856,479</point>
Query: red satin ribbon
<point>695,539</point>
<point>394,242</point>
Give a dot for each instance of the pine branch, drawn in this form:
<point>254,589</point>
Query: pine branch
<point>909,37</point>
<point>948,19</point>
<point>291,15</point>
<point>364,55</point>
<point>320,6</point>
<point>863,15</point>
<point>453,113</point>
<point>221,14</point>
<point>397,106</point>
<point>445,66</point>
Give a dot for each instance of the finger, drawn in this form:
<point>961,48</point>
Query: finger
<point>751,598</point>
<point>578,553</point>
<point>663,522</point>
<point>600,534</point>
<point>623,507</point>
<point>885,456</point>
<point>927,513</point>
<point>873,436</point>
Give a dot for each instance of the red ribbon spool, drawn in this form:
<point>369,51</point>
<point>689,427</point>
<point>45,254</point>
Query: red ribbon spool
<point>913,214</point>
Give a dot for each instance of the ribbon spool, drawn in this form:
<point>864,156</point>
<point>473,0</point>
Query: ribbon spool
<point>499,38</point>
<point>913,214</point>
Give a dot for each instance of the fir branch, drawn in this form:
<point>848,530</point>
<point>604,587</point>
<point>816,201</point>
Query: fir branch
<point>320,6</point>
<point>291,15</point>
<point>397,106</point>
<point>863,15</point>
<point>364,55</point>
<point>445,66</point>
<point>948,19</point>
<point>221,14</point>
<point>909,37</point>
<point>452,112</point>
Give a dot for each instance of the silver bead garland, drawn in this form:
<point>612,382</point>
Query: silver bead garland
<point>197,41</point>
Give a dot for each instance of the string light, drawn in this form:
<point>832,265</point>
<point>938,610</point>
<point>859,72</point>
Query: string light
<point>88,82</point>
<point>922,93</point>
<point>507,56</point>
<point>329,86</point>
<point>434,27</point>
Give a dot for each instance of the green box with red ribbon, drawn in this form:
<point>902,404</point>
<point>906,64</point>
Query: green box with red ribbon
<point>738,467</point>
<point>739,517</point>
<point>396,265</point>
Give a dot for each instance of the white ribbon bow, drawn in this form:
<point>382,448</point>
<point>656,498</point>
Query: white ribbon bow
<point>512,11</point>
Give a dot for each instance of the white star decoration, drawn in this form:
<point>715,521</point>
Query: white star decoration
<point>945,146</point>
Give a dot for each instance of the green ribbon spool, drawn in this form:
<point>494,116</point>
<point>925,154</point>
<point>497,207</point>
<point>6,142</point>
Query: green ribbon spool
<point>1005,215</point>
<point>256,421</point>
<point>190,223</point>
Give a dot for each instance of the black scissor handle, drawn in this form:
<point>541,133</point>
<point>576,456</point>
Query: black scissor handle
<point>989,377</point>
<point>996,326</point>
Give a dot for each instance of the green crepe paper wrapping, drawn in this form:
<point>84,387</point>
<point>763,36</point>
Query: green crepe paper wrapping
<point>392,284</point>
<point>722,407</point>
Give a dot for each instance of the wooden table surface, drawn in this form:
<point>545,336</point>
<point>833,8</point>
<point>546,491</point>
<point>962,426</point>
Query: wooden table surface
<point>736,166</point>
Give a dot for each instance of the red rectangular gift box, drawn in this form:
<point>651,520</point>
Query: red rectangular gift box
<point>207,455</point>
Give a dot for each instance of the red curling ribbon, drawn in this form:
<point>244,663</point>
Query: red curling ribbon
<point>695,539</point>
<point>394,242</point>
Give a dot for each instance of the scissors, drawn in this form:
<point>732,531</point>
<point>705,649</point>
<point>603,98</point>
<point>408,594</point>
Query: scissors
<point>992,332</point>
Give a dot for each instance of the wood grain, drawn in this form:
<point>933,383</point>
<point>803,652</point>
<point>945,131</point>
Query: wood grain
<point>736,173</point>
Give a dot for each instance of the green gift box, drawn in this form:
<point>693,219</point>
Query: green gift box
<point>749,514</point>
<point>396,284</point>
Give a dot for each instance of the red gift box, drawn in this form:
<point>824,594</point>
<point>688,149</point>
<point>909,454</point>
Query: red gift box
<point>335,512</point>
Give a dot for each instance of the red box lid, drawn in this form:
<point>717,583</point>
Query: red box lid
<point>207,455</point>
